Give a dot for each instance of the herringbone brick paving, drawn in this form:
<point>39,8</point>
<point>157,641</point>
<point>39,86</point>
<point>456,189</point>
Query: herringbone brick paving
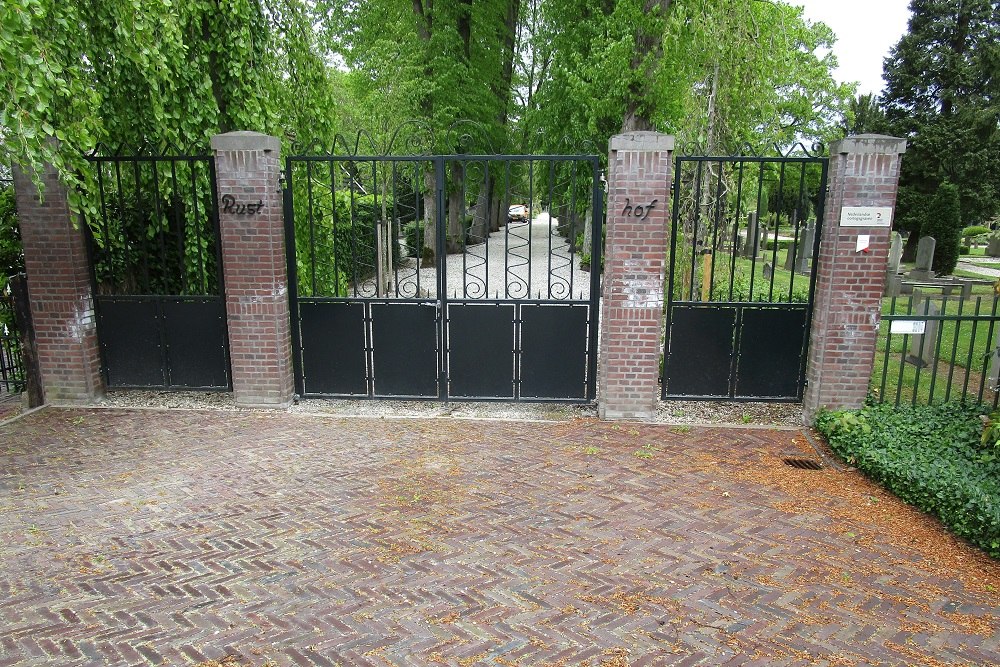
<point>146,537</point>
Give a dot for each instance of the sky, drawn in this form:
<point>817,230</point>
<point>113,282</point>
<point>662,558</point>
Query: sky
<point>866,30</point>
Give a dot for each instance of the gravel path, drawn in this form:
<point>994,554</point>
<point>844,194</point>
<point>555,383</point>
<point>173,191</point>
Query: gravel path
<point>668,412</point>
<point>981,270</point>
<point>511,260</point>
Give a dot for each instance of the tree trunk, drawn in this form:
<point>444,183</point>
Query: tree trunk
<point>648,51</point>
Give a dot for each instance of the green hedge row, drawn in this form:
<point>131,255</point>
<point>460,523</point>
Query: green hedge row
<point>932,457</point>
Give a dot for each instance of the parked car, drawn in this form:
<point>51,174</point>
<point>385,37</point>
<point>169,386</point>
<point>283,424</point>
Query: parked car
<point>517,213</point>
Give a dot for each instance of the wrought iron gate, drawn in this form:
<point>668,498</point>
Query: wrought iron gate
<point>157,271</point>
<point>741,276</point>
<point>444,277</point>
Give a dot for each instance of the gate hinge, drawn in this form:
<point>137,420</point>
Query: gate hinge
<point>282,181</point>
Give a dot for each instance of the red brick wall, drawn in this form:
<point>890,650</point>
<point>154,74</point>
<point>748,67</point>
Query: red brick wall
<point>639,167</point>
<point>864,171</point>
<point>248,167</point>
<point>59,285</point>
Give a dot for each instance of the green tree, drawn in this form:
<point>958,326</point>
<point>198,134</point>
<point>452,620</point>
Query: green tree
<point>943,221</point>
<point>941,83</point>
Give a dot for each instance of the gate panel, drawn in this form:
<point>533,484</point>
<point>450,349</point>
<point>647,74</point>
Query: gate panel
<point>741,276</point>
<point>770,362</point>
<point>195,331</point>
<point>157,269</point>
<point>480,350</point>
<point>700,353</point>
<point>333,348</point>
<point>130,342</point>
<point>404,349</point>
<point>554,351</point>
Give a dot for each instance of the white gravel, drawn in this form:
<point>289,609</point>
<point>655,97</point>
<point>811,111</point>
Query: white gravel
<point>519,255</point>
<point>672,412</point>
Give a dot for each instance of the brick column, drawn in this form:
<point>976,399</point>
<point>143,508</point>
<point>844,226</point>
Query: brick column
<point>248,167</point>
<point>640,167</point>
<point>60,292</point>
<point>864,176</point>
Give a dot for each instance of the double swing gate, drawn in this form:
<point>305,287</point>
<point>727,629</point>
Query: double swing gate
<point>447,277</point>
<point>157,271</point>
<point>744,238</point>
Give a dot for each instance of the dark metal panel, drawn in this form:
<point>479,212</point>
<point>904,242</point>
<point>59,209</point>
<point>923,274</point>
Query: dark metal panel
<point>195,331</point>
<point>333,347</point>
<point>700,351</point>
<point>129,332</point>
<point>770,352</point>
<point>404,349</point>
<point>480,350</point>
<point>554,351</point>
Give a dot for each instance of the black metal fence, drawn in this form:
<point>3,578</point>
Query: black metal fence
<point>934,348</point>
<point>157,270</point>
<point>12,375</point>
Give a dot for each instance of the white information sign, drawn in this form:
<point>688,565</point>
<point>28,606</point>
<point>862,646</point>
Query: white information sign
<point>866,216</point>
<point>907,326</point>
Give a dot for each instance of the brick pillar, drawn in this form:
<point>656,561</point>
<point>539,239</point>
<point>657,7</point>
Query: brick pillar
<point>251,219</point>
<point>863,178</point>
<point>60,290</point>
<point>640,167</point>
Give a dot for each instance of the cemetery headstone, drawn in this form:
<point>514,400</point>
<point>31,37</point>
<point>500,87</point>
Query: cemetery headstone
<point>923,347</point>
<point>806,249</point>
<point>925,257</point>
<point>993,247</point>
<point>768,271</point>
<point>893,282</point>
<point>750,245</point>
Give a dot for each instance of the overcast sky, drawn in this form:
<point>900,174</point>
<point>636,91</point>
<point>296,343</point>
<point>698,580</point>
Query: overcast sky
<point>866,30</point>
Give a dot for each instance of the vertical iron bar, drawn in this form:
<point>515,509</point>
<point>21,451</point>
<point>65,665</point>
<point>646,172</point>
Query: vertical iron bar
<point>715,228</point>
<point>181,228</point>
<point>937,350</point>
<point>798,224</point>
<point>293,279</point>
<point>989,341</point>
<point>814,266</point>
<point>972,348</point>
<point>756,231</point>
<point>202,282</point>
<point>312,229</point>
<point>694,230</point>
<point>777,224</point>
<point>552,178</point>
<point>442,279</point>
<point>954,348</point>
<point>888,346</point>
<point>671,269</point>
<point>734,251</point>
<point>596,250</point>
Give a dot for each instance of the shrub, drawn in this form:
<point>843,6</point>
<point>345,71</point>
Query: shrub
<point>964,250</point>
<point>943,221</point>
<point>938,458</point>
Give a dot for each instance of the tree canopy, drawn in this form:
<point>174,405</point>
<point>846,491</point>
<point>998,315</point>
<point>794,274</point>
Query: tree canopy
<point>941,87</point>
<point>534,74</point>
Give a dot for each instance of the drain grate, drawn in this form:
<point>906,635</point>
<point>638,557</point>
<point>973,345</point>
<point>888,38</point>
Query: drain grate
<point>803,464</point>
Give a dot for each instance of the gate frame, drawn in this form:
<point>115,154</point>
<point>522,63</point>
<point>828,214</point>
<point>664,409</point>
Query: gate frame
<point>159,299</point>
<point>440,162</point>
<point>790,158</point>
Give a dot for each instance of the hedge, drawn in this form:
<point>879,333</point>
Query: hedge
<point>932,457</point>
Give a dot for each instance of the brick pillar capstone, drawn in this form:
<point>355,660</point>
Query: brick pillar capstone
<point>640,168</point>
<point>60,290</point>
<point>863,179</point>
<point>251,220</point>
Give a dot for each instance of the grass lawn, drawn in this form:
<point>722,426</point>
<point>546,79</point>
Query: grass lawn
<point>969,343</point>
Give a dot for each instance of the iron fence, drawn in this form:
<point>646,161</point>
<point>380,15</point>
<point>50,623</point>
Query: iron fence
<point>931,349</point>
<point>12,374</point>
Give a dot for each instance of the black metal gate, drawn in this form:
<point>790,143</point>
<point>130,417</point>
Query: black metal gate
<point>741,276</point>
<point>444,277</point>
<point>157,271</point>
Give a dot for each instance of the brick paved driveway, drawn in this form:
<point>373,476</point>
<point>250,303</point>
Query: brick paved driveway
<point>150,537</point>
